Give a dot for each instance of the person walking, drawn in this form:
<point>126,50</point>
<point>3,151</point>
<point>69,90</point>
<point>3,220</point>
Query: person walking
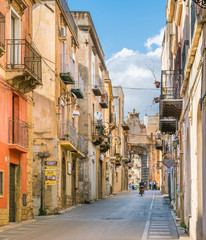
<point>154,185</point>
<point>150,185</point>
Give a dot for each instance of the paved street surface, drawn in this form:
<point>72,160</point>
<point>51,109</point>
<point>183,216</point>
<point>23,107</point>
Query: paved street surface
<point>125,216</point>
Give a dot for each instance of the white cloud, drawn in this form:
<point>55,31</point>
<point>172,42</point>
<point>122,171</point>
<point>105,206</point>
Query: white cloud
<point>131,69</point>
<point>156,40</point>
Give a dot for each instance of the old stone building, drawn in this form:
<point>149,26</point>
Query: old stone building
<point>182,110</point>
<point>20,74</point>
<point>58,145</point>
<point>141,141</point>
<point>93,69</point>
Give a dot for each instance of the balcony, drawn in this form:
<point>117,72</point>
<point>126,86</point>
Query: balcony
<point>170,101</point>
<point>18,135</point>
<point>97,132</point>
<point>97,85</point>
<point>67,69</point>
<point>169,126</point>
<point>78,87</point>
<point>158,144</point>
<point>81,145</point>
<point>198,18</point>
<point>125,126</point>
<point>115,153</point>
<point>105,145</point>
<point>103,100</point>
<point>23,64</point>
<point>159,165</point>
<point>68,136</point>
<point>2,34</point>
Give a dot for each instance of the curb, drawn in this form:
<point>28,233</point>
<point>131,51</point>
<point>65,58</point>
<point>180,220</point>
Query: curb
<point>181,231</point>
<point>68,209</point>
<point>15,225</point>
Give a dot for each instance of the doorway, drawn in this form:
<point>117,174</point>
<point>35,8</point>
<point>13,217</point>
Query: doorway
<point>100,178</point>
<point>63,190</point>
<point>73,181</point>
<point>12,208</point>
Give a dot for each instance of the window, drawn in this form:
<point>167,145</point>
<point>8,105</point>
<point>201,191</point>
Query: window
<point>1,183</point>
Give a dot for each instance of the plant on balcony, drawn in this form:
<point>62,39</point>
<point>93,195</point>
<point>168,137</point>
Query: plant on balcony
<point>156,99</point>
<point>157,84</point>
<point>67,135</point>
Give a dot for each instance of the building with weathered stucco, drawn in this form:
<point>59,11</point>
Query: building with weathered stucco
<point>20,74</point>
<point>182,110</point>
<point>58,145</point>
<point>141,140</point>
<point>92,67</point>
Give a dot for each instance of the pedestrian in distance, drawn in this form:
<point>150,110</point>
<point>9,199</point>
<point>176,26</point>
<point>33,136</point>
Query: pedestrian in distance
<point>150,185</point>
<point>154,185</point>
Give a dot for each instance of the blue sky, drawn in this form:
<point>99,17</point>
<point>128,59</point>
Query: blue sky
<point>121,23</point>
<point>131,35</point>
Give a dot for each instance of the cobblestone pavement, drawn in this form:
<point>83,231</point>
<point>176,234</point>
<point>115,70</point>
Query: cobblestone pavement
<point>125,216</point>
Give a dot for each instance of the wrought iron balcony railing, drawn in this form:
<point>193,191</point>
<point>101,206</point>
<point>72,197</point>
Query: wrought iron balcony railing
<point>67,69</point>
<point>169,93</point>
<point>78,87</point>
<point>81,143</point>
<point>97,85</point>
<point>69,17</point>
<point>2,34</point>
<point>18,132</point>
<point>97,129</point>
<point>170,84</point>
<point>103,100</point>
<point>68,133</point>
<point>20,54</point>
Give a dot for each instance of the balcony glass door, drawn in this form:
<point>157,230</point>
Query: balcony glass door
<point>15,43</point>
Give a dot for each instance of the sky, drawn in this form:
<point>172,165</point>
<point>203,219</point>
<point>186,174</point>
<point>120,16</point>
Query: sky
<point>131,34</point>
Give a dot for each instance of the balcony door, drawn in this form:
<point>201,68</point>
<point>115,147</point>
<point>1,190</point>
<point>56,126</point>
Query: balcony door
<point>63,57</point>
<point>15,119</point>
<point>93,70</point>
<point>15,42</point>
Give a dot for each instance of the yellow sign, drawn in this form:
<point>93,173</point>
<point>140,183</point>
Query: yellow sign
<point>50,183</point>
<point>50,173</point>
<point>50,177</point>
<point>50,167</point>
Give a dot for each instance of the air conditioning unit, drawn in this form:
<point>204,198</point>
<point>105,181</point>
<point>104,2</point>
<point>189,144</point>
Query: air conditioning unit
<point>62,33</point>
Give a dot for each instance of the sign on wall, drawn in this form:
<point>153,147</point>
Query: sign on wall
<point>50,177</point>
<point>69,168</point>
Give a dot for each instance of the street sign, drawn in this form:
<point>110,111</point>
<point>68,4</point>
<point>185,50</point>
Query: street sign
<point>168,170</point>
<point>168,160</point>
<point>50,163</point>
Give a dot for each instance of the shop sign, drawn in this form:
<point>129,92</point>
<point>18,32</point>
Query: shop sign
<point>69,168</point>
<point>50,163</point>
<point>50,177</point>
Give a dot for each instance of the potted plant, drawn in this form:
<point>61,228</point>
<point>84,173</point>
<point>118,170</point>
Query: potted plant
<point>157,84</point>
<point>66,135</point>
<point>156,99</point>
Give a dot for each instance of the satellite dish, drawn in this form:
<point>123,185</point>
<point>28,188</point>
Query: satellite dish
<point>98,115</point>
<point>168,160</point>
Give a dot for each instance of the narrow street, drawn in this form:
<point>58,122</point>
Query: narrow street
<point>125,216</point>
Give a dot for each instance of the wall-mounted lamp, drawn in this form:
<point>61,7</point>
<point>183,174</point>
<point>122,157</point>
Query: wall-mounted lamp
<point>76,110</point>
